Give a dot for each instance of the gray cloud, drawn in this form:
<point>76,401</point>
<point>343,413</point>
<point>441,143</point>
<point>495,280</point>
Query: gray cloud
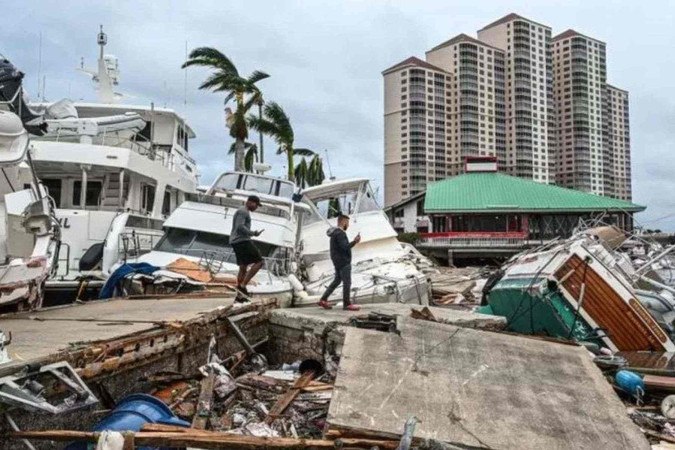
<point>325,58</point>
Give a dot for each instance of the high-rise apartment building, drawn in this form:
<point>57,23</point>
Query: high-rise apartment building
<point>530,136</point>
<point>580,86</point>
<point>475,109</point>
<point>415,99</point>
<point>619,142</point>
<point>540,104</point>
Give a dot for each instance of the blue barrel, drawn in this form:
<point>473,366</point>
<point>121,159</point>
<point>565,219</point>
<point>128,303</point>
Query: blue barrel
<point>630,382</point>
<point>131,414</point>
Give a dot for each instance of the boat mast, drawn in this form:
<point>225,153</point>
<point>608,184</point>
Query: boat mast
<point>105,82</point>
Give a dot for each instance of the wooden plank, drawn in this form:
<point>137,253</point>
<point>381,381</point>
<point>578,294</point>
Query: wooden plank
<point>210,440</point>
<point>201,418</point>
<point>625,324</point>
<point>659,383</point>
<point>286,399</point>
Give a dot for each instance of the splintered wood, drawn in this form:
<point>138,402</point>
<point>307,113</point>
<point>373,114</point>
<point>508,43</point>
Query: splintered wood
<point>203,413</point>
<point>286,399</point>
<point>188,437</point>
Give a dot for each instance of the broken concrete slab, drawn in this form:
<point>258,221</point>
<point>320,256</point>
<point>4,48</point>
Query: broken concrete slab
<point>307,332</point>
<point>473,388</point>
<point>318,318</point>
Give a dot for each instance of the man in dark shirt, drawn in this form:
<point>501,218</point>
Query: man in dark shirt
<point>341,255</point>
<point>240,239</point>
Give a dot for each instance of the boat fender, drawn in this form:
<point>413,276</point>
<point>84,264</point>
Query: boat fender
<point>297,285</point>
<point>630,382</point>
<point>92,257</point>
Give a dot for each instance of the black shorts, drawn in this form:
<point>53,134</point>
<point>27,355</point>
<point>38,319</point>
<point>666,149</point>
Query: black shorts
<point>246,253</point>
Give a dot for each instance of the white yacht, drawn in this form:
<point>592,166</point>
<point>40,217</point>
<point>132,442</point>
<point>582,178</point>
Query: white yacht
<point>383,269</point>
<point>114,172</point>
<point>198,231</point>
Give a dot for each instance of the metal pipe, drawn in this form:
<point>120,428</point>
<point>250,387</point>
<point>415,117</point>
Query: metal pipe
<point>121,187</point>
<point>15,427</point>
<point>83,189</point>
<point>649,263</point>
<point>656,283</point>
<point>240,336</point>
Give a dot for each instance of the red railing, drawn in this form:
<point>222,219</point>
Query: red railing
<point>477,235</point>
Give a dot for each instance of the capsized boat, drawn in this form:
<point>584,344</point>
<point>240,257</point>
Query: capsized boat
<point>198,232</point>
<point>29,233</point>
<point>383,269</point>
<point>582,289</point>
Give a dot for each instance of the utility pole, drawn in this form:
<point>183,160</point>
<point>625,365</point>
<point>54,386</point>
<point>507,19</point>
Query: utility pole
<point>260,108</point>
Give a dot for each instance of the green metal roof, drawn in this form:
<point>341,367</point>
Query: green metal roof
<point>496,192</point>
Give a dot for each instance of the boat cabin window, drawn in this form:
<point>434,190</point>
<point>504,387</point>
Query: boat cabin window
<point>367,202</point>
<point>166,205</point>
<point>254,183</point>
<point>182,137</point>
<point>351,200</point>
<point>147,197</point>
<point>53,186</point>
<point>93,195</point>
<point>196,243</point>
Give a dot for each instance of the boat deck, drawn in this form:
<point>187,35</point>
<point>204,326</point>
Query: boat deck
<point>40,334</point>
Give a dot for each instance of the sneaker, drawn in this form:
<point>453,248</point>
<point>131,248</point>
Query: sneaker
<point>352,307</point>
<point>325,305</point>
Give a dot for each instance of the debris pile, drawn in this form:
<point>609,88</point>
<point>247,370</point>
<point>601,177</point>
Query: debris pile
<point>459,286</point>
<point>288,401</point>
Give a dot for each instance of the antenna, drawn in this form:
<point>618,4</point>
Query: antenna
<point>39,74</point>
<point>330,171</point>
<point>185,80</point>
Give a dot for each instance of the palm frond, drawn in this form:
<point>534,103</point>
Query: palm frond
<point>262,125</point>
<point>256,76</point>
<point>303,152</point>
<point>248,146</point>
<point>275,113</point>
<point>210,57</point>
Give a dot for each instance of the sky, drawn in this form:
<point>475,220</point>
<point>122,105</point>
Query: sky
<point>325,59</point>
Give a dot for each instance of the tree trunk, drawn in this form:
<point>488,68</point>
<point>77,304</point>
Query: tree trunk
<point>239,155</point>
<point>291,167</point>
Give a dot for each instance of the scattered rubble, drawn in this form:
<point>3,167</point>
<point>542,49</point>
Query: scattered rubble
<point>459,286</point>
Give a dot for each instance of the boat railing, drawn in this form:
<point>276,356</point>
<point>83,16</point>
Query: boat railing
<point>132,244</point>
<point>215,260</point>
<point>65,260</point>
<point>474,240</point>
<point>135,143</point>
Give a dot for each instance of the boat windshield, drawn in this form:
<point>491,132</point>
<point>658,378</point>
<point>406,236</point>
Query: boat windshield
<point>212,246</point>
<point>254,183</point>
<point>349,201</point>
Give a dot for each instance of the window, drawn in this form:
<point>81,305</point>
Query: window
<point>93,195</point>
<point>166,205</point>
<point>420,207</point>
<point>147,197</point>
<point>54,190</point>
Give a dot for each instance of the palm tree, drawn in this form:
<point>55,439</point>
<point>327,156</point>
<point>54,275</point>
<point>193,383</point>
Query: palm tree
<point>311,174</point>
<point>276,124</point>
<point>250,155</point>
<point>226,78</point>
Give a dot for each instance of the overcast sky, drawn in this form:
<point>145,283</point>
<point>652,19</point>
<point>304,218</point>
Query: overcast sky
<point>325,60</point>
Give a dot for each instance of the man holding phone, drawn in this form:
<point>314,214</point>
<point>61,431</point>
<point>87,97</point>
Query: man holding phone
<point>341,255</point>
<point>240,239</point>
